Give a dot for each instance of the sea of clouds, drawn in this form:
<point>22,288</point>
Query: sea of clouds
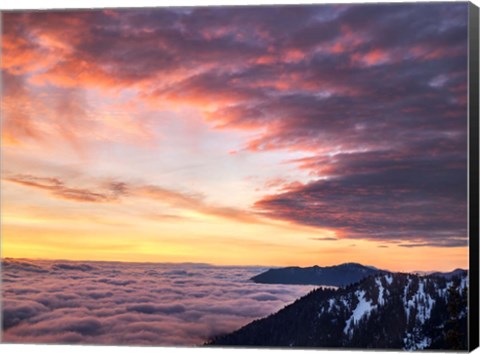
<point>132,303</point>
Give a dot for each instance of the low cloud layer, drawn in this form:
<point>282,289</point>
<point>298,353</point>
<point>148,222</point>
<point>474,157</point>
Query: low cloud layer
<point>132,303</point>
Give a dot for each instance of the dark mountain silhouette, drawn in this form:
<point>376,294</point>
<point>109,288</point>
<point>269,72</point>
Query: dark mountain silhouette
<point>338,275</point>
<point>383,311</point>
<point>449,275</point>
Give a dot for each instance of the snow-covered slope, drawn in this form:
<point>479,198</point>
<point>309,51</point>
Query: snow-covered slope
<point>393,310</point>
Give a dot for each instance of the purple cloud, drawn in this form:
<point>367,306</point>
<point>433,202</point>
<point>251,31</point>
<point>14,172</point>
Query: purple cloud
<point>376,94</point>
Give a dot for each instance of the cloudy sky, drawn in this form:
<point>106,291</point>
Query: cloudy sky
<point>251,135</point>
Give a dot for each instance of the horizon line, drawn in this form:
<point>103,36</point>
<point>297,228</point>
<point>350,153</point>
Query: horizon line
<point>427,272</point>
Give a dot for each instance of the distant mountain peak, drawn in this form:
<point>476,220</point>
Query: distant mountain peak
<point>336,275</point>
<point>453,273</point>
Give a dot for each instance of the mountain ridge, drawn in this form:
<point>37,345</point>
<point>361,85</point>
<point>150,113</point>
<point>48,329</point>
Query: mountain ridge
<point>336,275</point>
<point>383,311</point>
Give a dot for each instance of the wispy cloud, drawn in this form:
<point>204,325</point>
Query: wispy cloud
<point>449,242</point>
<point>58,189</point>
<point>106,191</point>
<point>324,238</point>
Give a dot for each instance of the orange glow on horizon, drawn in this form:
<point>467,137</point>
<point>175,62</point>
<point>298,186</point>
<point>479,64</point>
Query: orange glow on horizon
<point>297,246</point>
<point>228,144</point>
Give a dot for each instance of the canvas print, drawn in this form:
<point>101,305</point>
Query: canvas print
<point>257,176</point>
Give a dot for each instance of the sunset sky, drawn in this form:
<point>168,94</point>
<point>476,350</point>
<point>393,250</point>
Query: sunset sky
<point>287,135</point>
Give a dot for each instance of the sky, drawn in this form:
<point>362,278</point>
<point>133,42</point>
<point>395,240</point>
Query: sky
<point>285,135</point>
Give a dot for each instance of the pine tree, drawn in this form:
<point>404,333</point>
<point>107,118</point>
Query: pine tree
<point>453,335</point>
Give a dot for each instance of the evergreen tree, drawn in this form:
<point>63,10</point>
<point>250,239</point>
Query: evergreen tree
<point>454,304</point>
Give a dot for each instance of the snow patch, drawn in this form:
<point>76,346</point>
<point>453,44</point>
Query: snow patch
<point>423,303</point>
<point>331,303</point>
<point>380,300</point>
<point>406,303</point>
<point>363,308</point>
